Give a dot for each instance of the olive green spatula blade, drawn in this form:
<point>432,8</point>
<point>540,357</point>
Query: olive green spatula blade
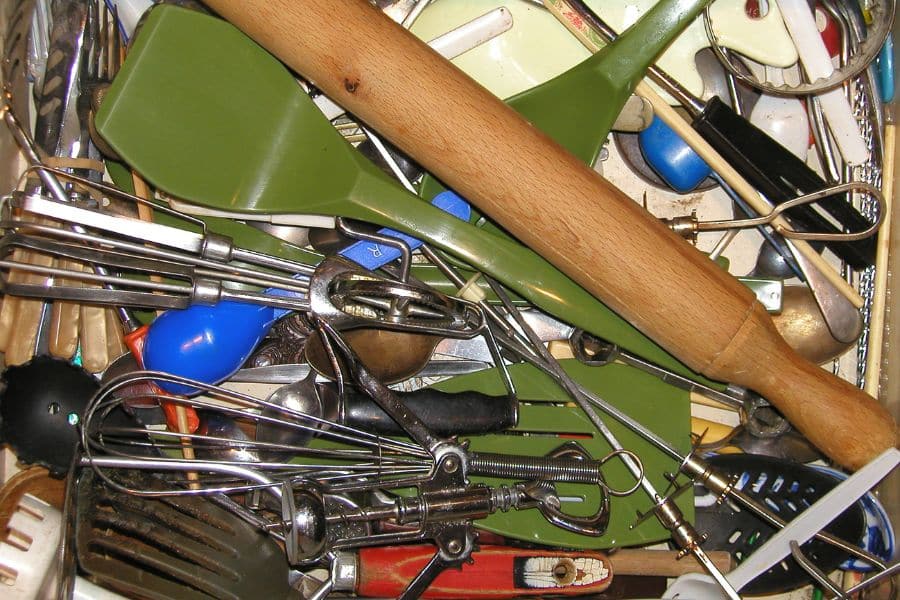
<point>545,423</point>
<point>577,108</point>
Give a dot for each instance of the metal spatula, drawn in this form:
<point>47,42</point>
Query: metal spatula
<point>180,547</point>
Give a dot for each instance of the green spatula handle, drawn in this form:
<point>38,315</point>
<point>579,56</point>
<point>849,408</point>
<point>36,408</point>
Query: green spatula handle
<point>602,239</point>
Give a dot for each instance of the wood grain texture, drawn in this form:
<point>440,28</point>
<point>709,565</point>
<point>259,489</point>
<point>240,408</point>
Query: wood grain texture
<point>560,208</point>
<point>663,563</point>
<point>882,266</point>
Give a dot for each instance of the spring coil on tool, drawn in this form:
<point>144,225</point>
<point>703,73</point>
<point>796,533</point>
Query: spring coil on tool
<point>569,463</point>
<point>571,470</point>
<point>504,498</point>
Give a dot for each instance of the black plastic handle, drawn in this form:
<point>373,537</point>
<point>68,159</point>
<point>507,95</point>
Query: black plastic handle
<point>781,176</point>
<point>443,413</point>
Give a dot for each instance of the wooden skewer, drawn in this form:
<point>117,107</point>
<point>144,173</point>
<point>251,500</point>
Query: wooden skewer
<point>187,450</point>
<point>670,117</point>
<point>142,190</point>
<point>876,322</point>
<point>145,213</point>
<point>518,176</point>
<point>663,563</point>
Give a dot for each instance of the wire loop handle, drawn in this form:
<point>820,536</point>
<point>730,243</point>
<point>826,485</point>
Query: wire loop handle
<point>851,236</point>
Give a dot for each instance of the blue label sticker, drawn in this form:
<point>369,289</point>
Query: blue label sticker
<point>371,255</point>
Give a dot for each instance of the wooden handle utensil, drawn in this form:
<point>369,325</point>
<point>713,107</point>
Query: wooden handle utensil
<point>517,175</point>
<point>663,563</point>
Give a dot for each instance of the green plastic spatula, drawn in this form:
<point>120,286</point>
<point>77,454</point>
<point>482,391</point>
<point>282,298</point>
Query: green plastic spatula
<point>577,108</point>
<point>544,425</point>
<point>205,114</point>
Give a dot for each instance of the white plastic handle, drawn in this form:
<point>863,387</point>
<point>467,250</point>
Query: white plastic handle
<point>801,24</point>
<point>457,41</point>
<point>472,34</point>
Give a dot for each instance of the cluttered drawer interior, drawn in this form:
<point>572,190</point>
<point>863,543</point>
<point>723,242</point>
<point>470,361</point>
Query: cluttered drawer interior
<point>579,298</point>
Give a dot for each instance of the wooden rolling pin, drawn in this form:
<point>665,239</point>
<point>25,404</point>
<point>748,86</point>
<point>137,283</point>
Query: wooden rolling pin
<point>560,208</point>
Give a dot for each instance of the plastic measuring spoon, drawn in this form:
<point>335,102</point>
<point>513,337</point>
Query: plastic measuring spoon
<point>783,118</point>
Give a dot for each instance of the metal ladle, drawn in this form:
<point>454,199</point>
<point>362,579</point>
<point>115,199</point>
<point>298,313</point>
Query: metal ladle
<point>301,396</point>
<point>771,264</point>
<point>803,327</point>
<point>801,322</point>
<point>391,356</point>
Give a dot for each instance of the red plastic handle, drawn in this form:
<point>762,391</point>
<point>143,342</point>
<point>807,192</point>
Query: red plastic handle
<point>831,32</point>
<point>498,572</point>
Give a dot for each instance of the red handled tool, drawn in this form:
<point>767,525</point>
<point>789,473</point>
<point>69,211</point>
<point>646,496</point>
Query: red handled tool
<point>497,572</point>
